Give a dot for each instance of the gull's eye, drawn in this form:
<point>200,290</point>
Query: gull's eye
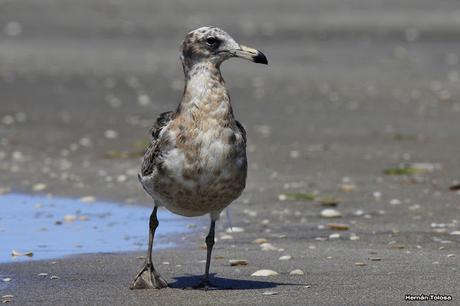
<point>211,41</point>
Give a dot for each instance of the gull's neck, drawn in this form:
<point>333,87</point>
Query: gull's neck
<point>205,91</point>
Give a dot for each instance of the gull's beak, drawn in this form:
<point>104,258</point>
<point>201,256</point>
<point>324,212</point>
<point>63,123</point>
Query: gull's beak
<point>250,54</point>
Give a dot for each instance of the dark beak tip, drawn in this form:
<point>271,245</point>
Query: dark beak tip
<point>260,58</point>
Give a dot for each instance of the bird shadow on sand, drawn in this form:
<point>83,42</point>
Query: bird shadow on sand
<point>220,283</point>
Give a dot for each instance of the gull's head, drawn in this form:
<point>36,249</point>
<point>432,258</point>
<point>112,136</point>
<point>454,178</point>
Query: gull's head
<point>213,45</point>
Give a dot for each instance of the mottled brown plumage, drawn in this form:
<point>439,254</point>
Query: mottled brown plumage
<point>196,162</point>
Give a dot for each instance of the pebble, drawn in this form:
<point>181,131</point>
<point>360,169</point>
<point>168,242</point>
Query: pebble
<point>43,274</point>
<point>54,277</point>
<point>285,257</point>
<point>7,279</point>
<point>360,264</point>
<point>296,272</point>
<point>235,230</point>
<point>270,293</point>
<point>450,255</point>
<point>330,213</point>
<point>334,236</point>
<point>39,187</point>
<point>260,241</point>
<point>265,272</point>
<point>267,247</point>
<point>455,233</point>
<point>238,262</point>
<point>338,226</point>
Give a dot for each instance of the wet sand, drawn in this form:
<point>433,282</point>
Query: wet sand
<point>354,93</point>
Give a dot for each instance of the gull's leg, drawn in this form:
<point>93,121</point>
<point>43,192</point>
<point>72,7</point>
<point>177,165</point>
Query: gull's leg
<point>148,277</point>
<point>205,284</point>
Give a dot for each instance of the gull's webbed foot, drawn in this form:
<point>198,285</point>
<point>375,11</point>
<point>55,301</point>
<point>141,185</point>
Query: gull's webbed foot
<point>148,278</point>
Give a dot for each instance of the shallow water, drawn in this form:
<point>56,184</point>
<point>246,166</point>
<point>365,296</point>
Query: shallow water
<point>52,227</point>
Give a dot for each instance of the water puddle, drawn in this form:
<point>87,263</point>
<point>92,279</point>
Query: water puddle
<point>52,227</point>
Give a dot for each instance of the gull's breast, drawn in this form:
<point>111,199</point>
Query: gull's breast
<point>203,172</point>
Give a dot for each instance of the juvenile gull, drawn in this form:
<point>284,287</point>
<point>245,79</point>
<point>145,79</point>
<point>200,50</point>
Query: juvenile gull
<point>196,162</point>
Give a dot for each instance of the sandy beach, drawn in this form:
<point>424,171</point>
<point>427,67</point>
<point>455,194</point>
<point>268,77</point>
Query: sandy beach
<point>357,113</point>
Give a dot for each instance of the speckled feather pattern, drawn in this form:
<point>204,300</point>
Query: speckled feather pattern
<point>196,162</point>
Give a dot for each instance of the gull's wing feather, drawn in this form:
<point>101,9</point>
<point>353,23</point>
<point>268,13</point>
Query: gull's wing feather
<point>154,149</point>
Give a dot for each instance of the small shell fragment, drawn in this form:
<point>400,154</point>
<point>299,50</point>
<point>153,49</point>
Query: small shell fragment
<point>87,199</point>
<point>375,259</point>
<point>238,262</point>
<point>39,187</point>
<point>397,246</point>
<point>338,226</point>
<point>329,201</point>
<point>360,264</point>
<point>260,241</point>
<point>235,230</point>
<point>455,233</point>
<point>226,237</point>
<point>265,272</point>
<point>330,213</point>
<point>16,253</point>
<point>270,293</point>
<point>42,274</point>
<point>54,277</point>
<point>7,279</point>
<point>267,247</point>
<point>296,272</point>
<point>285,257</point>
<point>354,237</point>
<point>347,187</point>
<point>70,218</point>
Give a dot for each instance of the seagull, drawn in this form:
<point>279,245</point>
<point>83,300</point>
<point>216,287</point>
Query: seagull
<point>196,163</point>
